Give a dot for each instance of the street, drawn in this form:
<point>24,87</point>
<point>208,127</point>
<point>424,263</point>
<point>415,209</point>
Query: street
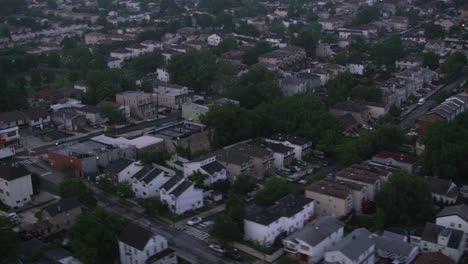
<point>411,118</point>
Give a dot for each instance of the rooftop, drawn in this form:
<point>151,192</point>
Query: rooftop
<point>442,187</point>
<point>136,236</point>
<point>432,232</point>
<point>62,206</point>
<point>118,165</point>
<point>316,231</point>
<point>287,206</point>
<point>354,244</point>
<point>458,210</point>
<point>397,156</point>
<point>181,188</point>
<point>332,187</point>
<point>10,172</point>
<point>213,167</point>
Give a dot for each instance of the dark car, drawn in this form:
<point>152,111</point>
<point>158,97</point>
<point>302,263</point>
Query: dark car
<point>233,254</point>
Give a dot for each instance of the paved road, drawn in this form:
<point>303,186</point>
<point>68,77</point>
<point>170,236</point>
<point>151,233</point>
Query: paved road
<point>169,118</point>
<point>410,119</point>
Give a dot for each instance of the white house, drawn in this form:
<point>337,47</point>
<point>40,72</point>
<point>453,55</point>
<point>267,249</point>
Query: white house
<point>396,159</point>
<point>445,191</point>
<point>138,245</point>
<point>208,166</point>
<point>114,63</point>
<point>356,66</point>
<point>300,145</point>
<point>10,134</point>
<point>285,216</point>
<point>180,195</point>
<point>123,54</point>
<point>214,39</point>
<point>147,181</point>
<point>122,170</point>
<point>355,248</point>
<point>455,217</point>
<point>162,75</point>
<point>15,186</point>
<point>310,242</point>
<point>436,238</point>
<point>282,155</point>
<point>393,246</point>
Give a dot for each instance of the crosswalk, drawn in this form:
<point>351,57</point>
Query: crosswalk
<point>195,232</point>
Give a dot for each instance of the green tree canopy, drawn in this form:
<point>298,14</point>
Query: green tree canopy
<point>94,236</point>
<point>405,200</point>
<point>274,189</point>
<point>431,60</point>
<point>258,85</point>
<point>74,187</point>
<point>8,242</point>
<point>388,52</point>
<point>251,55</point>
<point>433,31</point>
<point>454,63</point>
<point>146,63</point>
<point>366,14</point>
<point>308,38</point>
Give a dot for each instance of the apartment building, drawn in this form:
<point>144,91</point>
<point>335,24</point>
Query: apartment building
<point>15,185</point>
<point>141,104</point>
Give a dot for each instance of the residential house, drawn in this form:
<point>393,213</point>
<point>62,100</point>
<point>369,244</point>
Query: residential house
<point>402,87</point>
<point>310,242</point>
<point>455,216</point>
<point>377,110</point>
<point>447,110</point>
<point>12,119</point>
<point>445,191</point>
<point>93,114</point>
<point>436,238</point>
<point>290,213</point>
<point>137,245</point>
<point>86,158</point>
<point>283,57</point>
<point>49,95</point>
<point>282,155</point>
<point>58,216</point>
<point>262,159</point>
<point>398,23</point>
<point>356,66</point>
<point>432,258</point>
<point>409,61</point>
<point>394,248</point>
<point>235,163</point>
<point>181,195</point>
<point>291,86</point>
<point>15,185</point>
<point>148,180</point>
<point>169,95</point>
<point>69,119</point>
<point>364,176</point>
<point>214,39</point>
<point>323,75</point>
<point>302,147</point>
<point>121,170</point>
<point>356,248</point>
<point>143,144</point>
<point>312,81</point>
<point>396,159</point>
<point>207,165</point>
<point>193,110</point>
<point>37,118</point>
<point>336,197</point>
<point>141,104</point>
<point>359,112</point>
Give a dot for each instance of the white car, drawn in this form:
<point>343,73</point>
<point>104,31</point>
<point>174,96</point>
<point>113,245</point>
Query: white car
<point>217,248</point>
<point>412,133</point>
<point>194,221</point>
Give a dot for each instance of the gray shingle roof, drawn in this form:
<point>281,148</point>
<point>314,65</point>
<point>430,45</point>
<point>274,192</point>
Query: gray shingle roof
<point>181,188</point>
<point>432,231</point>
<point>354,244</point>
<point>442,187</point>
<point>119,165</point>
<point>317,231</point>
<point>213,167</point>
<point>62,206</point>
<point>135,236</point>
<point>458,210</point>
<point>286,206</point>
<point>147,174</point>
<point>390,245</point>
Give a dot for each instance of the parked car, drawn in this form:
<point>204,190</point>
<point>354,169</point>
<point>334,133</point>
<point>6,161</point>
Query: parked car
<point>194,221</point>
<point>421,101</point>
<point>217,248</point>
<point>233,255</point>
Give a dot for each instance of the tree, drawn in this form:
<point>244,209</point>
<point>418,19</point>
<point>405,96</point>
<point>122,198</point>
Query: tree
<point>227,230</point>
<point>124,190</point>
<point>153,206</point>
<point>94,236</point>
<point>340,87</point>
<point>433,31</point>
<point>154,34</point>
<point>146,63</point>
<point>149,157</point>
<point>227,44</point>
<point>248,30</point>
<point>74,187</point>
<point>51,4</point>
<point>366,15</point>
<point>405,200</point>
<point>196,69</point>
<point>454,64</point>
<point>250,56</point>
<point>104,3</point>
<point>199,179</point>
<point>275,188</point>
<point>69,43</point>
<point>308,38</point>
<point>446,148</point>
<point>387,53</point>
<point>258,85</point>
<point>205,20</point>
<point>431,60</point>
<point>8,242</point>
<point>114,115</point>
<point>235,209</point>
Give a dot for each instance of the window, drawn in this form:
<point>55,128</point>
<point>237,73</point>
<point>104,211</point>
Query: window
<point>459,226</point>
<point>303,247</point>
<point>147,252</point>
<point>452,224</point>
<point>17,201</point>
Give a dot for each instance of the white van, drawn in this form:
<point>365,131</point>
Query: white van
<point>421,101</point>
